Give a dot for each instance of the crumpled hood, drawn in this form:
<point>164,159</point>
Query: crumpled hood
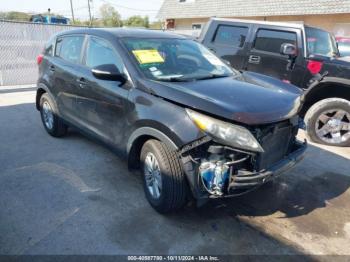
<point>250,98</point>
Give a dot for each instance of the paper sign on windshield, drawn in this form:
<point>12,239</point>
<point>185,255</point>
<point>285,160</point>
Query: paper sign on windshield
<point>148,56</point>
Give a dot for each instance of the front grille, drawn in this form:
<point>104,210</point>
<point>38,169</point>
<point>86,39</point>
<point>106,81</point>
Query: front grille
<point>276,141</point>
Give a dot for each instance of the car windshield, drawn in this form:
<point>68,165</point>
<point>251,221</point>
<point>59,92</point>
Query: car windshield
<point>168,59</point>
<point>344,46</point>
<point>320,42</point>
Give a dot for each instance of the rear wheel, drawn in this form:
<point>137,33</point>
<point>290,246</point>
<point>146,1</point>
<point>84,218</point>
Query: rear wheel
<point>328,122</point>
<point>164,182</point>
<point>52,123</point>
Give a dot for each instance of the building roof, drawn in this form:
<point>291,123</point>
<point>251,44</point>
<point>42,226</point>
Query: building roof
<point>245,8</point>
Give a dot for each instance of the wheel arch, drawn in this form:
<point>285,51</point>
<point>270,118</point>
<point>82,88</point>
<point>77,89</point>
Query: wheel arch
<point>39,92</point>
<point>330,87</point>
<point>42,89</point>
<point>138,138</point>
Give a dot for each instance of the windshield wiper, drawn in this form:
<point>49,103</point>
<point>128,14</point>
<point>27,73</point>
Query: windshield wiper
<point>212,76</point>
<point>174,79</point>
<point>186,79</point>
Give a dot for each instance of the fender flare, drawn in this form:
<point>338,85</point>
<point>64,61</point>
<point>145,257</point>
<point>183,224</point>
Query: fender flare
<point>325,81</point>
<point>47,90</point>
<point>314,92</point>
<point>149,131</point>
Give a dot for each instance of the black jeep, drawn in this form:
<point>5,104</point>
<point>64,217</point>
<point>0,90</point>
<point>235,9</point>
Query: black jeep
<point>305,56</point>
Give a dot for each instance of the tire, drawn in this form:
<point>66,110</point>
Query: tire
<point>329,114</point>
<point>54,127</point>
<point>173,191</point>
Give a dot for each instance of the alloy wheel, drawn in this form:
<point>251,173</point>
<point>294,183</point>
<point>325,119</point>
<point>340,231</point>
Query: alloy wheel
<point>152,175</point>
<point>333,126</point>
<point>47,115</point>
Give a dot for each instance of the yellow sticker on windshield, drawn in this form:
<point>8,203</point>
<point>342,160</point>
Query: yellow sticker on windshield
<point>148,56</point>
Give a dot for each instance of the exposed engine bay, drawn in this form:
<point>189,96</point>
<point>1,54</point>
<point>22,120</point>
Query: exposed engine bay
<point>217,170</point>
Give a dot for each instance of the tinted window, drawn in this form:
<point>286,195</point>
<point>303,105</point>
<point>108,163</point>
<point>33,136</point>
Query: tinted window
<point>48,49</point>
<point>344,48</point>
<point>69,48</point>
<point>320,42</point>
<point>100,52</point>
<point>271,41</point>
<point>231,35</point>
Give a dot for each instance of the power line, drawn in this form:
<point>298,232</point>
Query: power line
<point>129,8</point>
<point>69,11</point>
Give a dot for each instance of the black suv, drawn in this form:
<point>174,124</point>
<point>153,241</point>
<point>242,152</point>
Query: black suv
<point>305,56</point>
<point>173,109</point>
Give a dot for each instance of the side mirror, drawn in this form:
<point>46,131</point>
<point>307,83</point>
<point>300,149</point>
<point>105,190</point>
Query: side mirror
<point>109,72</point>
<point>289,50</point>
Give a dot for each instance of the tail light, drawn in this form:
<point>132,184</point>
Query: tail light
<point>39,59</point>
<point>314,67</point>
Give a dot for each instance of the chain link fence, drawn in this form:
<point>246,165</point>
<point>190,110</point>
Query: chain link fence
<point>20,44</point>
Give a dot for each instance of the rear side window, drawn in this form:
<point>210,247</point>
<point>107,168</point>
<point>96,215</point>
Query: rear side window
<point>48,49</point>
<point>69,48</point>
<point>231,35</point>
<point>99,52</point>
<point>271,41</point>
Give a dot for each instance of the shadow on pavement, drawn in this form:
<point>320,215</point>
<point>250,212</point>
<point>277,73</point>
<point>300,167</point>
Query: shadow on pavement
<point>294,199</point>
<point>125,220</point>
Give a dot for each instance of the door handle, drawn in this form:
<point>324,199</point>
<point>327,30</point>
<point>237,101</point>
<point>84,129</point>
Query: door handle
<point>254,59</point>
<point>81,81</point>
<point>213,50</point>
<point>52,68</point>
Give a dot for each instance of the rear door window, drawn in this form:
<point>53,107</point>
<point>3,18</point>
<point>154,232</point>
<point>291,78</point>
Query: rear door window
<point>48,49</point>
<point>271,40</point>
<point>69,48</point>
<point>234,36</point>
<point>99,52</point>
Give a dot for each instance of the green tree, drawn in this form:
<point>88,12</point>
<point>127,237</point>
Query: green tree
<point>13,15</point>
<point>110,16</point>
<point>137,21</point>
<point>156,25</point>
<point>146,21</point>
<point>79,22</point>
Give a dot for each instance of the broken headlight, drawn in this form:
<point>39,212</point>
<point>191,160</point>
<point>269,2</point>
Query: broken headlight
<point>236,136</point>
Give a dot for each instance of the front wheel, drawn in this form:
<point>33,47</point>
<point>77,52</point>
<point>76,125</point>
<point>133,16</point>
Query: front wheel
<point>164,182</point>
<point>328,122</point>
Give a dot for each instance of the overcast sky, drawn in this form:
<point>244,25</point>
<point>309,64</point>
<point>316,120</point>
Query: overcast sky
<point>125,7</point>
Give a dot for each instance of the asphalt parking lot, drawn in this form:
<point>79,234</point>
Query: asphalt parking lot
<point>73,196</point>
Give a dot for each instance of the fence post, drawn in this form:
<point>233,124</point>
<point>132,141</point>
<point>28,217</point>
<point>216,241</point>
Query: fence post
<point>1,79</point>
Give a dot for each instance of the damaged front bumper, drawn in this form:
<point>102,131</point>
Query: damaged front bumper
<point>246,179</point>
<point>242,177</point>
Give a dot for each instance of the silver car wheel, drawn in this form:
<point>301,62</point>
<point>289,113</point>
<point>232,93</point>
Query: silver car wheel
<point>47,115</point>
<point>152,175</point>
<point>333,126</point>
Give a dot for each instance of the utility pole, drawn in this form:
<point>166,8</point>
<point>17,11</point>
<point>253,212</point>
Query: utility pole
<point>49,15</point>
<point>71,8</point>
<point>89,12</point>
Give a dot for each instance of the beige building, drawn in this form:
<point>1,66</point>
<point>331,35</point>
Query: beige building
<point>332,15</point>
